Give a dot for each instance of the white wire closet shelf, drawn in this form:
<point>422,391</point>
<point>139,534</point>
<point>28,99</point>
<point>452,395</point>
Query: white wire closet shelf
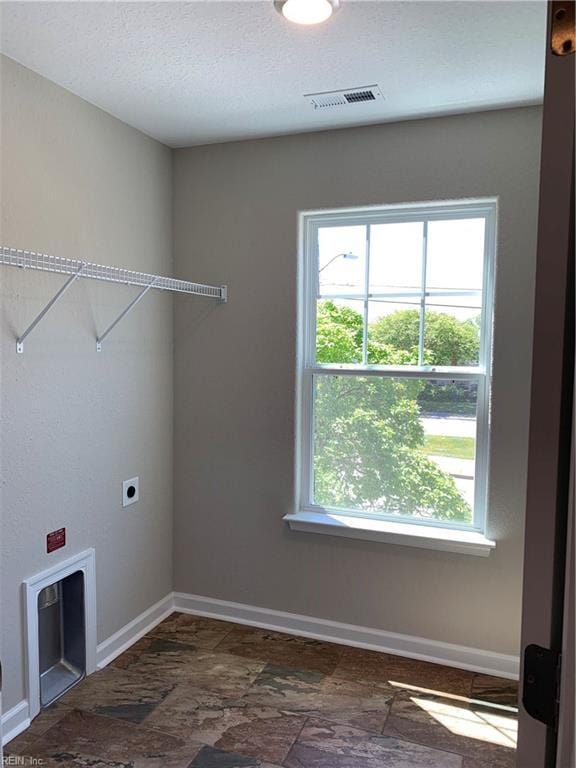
<point>15,257</point>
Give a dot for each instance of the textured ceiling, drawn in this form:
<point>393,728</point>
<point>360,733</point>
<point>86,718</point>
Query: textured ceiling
<point>201,72</point>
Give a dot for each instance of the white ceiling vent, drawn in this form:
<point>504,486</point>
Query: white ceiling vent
<point>365,94</point>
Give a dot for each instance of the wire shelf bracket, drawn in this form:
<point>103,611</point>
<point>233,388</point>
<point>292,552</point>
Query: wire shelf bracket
<point>123,314</point>
<point>54,300</point>
<point>15,257</point>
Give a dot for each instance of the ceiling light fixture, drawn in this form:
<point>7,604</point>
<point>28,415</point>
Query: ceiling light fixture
<point>307,11</point>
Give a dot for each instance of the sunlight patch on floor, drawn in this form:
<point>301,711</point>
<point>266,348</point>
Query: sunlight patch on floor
<point>476,723</point>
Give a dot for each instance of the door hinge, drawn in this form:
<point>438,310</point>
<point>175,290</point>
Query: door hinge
<point>563,28</point>
<point>541,690</point>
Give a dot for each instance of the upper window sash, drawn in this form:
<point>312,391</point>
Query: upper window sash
<point>314,221</point>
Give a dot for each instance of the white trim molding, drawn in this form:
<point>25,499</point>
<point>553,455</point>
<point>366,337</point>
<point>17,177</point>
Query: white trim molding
<point>462,657</point>
<point>86,563</point>
<point>120,641</point>
<point>388,532</point>
<point>15,721</point>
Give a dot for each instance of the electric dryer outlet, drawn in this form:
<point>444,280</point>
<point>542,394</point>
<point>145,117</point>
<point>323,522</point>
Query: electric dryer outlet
<point>130,491</point>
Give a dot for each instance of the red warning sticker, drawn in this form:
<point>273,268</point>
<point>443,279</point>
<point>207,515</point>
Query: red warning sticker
<point>55,540</point>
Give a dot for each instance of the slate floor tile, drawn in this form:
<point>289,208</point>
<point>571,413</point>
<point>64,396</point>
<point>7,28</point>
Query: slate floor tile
<point>473,762</point>
<point>43,722</point>
<point>384,669</point>
<point>454,724</point>
<point>197,631</point>
<point>200,693</point>
<point>155,656</point>
<point>209,757</point>
<point>119,693</point>
<point>328,745</point>
<point>230,724</point>
<point>315,694</point>
<point>496,690</point>
<point>282,649</point>
<point>216,671</point>
<point>83,739</point>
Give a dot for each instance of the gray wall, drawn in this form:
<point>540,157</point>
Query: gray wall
<point>80,184</point>
<point>236,221</point>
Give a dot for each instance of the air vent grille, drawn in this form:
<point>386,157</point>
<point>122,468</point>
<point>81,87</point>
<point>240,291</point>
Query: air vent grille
<point>359,96</point>
<point>330,99</point>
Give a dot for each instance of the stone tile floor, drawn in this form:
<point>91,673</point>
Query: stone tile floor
<point>199,693</point>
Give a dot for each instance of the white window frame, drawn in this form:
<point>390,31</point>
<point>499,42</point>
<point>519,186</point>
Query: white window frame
<point>308,516</point>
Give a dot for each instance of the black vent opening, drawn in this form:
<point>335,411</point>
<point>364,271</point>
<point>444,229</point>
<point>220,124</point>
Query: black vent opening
<point>352,98</point>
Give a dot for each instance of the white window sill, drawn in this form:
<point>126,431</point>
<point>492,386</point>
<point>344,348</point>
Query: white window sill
<point>405,534</point>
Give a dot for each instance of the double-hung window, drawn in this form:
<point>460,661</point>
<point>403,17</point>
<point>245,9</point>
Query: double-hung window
<point>395,329</point>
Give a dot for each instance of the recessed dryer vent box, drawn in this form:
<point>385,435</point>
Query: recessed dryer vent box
<point>61,637</point>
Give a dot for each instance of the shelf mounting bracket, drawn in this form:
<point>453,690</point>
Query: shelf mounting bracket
<point>123,314</point>
<point>72,279</point>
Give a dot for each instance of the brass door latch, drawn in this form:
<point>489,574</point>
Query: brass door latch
<point>563,32</point>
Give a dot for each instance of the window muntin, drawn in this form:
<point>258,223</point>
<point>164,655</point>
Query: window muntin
<point>425,326</point>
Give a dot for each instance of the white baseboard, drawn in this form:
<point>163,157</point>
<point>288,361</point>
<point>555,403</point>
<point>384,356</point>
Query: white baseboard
<point>15,721</point>
<point>463,657</point>
<point>120,641</point>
